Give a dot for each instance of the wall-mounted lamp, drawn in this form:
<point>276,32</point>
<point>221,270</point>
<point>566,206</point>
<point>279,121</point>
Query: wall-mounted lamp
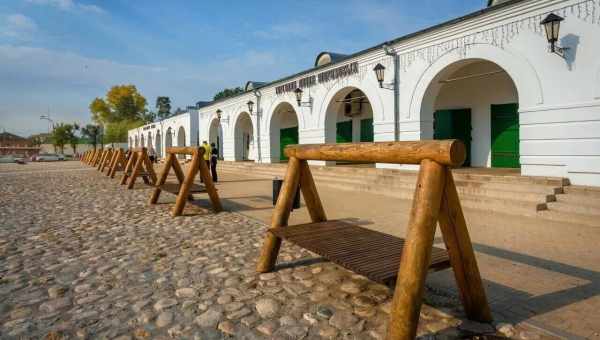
<point>220,117</point>
<point>298,92</point>
<point>380,75</point>
<point>552,27</point>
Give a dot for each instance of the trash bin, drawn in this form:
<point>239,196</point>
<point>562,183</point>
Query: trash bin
<point>277,183</point>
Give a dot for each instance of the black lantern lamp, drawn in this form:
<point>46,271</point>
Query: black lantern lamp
<point>298,92</point>
<point>552,27</point>
<point>250,106</point>
<point>380,74</point>
<point>219,114</point>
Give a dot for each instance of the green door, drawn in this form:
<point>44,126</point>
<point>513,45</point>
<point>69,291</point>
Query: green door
<point>286,137</point>
<point>344,132</point>
<point>505,136</point>
<point>366,130</point>
<point>454,124</point>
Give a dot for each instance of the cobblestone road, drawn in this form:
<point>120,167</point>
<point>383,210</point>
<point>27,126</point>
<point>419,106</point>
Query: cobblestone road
<point>81,257</point>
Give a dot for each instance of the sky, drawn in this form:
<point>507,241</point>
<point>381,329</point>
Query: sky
<point>56,56</point>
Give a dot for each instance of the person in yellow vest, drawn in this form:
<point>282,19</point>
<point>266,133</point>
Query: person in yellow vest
<point>207,151</point>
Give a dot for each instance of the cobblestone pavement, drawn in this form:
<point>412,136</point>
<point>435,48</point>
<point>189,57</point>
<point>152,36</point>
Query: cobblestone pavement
<point>81,257</point>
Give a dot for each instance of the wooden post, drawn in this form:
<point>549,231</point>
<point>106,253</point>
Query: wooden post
<point>117,164</point>
<point>107,160</point>
<point>416,254</point>
<point>149,167</point>
<point>281,214</point>
<point>184,190</point>
<point>101,159</point>
<point>462,256</point>
<point>208,183</point>
<point>310,194</point>
<point>129,167</point>
<point>162,179</point>
<point>112,162</point>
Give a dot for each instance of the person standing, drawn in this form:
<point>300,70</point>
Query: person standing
<point>214,156</point>
<point>206,155</point>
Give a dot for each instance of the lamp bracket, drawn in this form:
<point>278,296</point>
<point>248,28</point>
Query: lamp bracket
<point>387,86</point>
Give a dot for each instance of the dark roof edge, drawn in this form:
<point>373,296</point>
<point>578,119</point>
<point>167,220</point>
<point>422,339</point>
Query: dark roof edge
<point>394,41</point>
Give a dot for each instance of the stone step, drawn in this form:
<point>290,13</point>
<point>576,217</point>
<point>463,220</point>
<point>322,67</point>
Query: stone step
<point>577,199</point>
<point>570,218</point>
<point>393,177</point>
<point>575,208</point>
<point>579,190</point>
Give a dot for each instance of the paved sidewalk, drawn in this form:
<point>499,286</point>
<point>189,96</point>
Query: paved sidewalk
<point>81,257</point>
<point>544,272</point>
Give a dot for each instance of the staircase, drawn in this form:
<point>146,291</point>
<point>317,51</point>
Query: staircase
<point>578,204</point>
<point>502,192</point>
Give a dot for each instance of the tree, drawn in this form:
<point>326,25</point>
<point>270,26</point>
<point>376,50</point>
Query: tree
<point>228,93</point>
<point>122,103</point>
<point>163,106</point>
<point>73,138</point>
<point>63,134</point>
<point>117,132</point>
<point>91,132</point>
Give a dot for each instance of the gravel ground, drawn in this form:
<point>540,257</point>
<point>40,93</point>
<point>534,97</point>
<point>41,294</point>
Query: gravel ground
<point>81,257</point>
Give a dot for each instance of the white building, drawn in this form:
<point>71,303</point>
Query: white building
<point>488,78</point>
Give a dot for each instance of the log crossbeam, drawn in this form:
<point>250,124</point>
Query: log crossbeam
<point>435,200</point>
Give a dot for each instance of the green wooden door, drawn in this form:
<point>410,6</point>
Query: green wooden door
<point>505,136</point>
<point>344,132</point>
<point>366,130</point>
<point>454,124</point>
<point>286,137</point>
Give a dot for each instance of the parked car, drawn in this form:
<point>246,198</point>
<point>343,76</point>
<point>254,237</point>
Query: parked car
<point>47,157</point>
<point>7,159</point>
<point>61,157</point>
<point>19,159</point>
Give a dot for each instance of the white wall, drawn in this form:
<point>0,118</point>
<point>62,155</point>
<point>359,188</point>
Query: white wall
<point>559,99</point>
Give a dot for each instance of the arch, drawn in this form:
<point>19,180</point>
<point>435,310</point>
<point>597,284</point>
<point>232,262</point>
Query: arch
<point>215,135</point>
<point>136,141</point>
<point>158,144</point>
<point>243,137</point>
<point>349,116</point>
<point>181,140</point>
<point>149,141</point>
<point>369,87</point>
<point>597,82</point>
<point>284,123</point>
<point>474,100</point>
<point>523,74</point>
<point>142,141</point>
<point>169,138</point>
<point>181,136</point>
<point>130,142</point>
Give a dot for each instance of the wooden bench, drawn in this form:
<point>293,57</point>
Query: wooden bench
<point>105,161</point>
<point>380,257</point>
<point>186,185</point>
<point>138,165</point>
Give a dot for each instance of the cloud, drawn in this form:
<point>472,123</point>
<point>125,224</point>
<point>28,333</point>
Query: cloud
<point>285,31</point>
<point>17,26</point>
<point>35,80</point>
<point>68,5</point>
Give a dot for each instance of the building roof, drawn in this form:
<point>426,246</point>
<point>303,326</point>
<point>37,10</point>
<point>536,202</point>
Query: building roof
<point>329,57</point>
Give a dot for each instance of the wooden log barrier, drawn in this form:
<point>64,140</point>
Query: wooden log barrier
<point>119,162</point>
<point>186,182</point>
<point>107,160</point>
<point>435,200</point>
<point>89,157</point>
<point>138,165</point>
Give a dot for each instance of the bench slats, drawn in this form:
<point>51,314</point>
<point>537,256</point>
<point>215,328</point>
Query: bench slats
<point>367,252</point>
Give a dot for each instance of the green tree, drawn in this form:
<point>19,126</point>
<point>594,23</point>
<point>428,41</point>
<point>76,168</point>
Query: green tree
<point>228,93</point>
<point>91,133</point>
<point>64,134</point>
<point>122,103</point>
<point>163,106</point>
<point>73,138</point>
<point>117,132</point>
